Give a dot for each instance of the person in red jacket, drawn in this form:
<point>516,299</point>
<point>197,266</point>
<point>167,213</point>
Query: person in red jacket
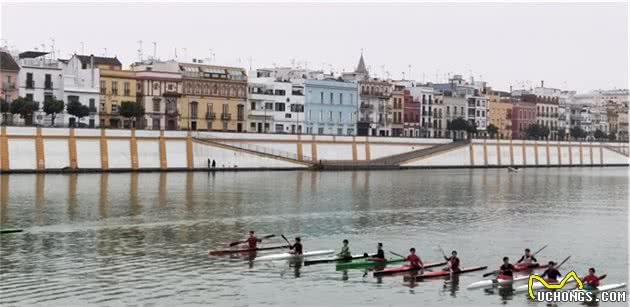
<point>453,262</point>
<point>414,260</point>
<point>591,282</point>
<point>252,241</point>
<point>506,270</point>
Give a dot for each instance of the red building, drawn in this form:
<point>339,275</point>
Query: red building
<point>411,115</point>
<point>523,115</point>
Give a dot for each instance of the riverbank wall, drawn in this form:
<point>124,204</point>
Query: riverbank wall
<point>30,149</point>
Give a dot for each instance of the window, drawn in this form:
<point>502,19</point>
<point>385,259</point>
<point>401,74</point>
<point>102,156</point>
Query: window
<point>29,80</point>
<point>280,107</point>
<point>320,130</point>
<point>126,89</point>
<point>287,115</point>
<point>29,97</point>
<point>310,115</point>
<point>330,116</point>
<point>253,106</point>
<point>269,106</point>
<point>114,87</point>
<point>350,131</point>
<point>279,128</point>
<point>332,96</point>
<point>103,87</point>
<point>48,81</point>
<point>340,117</point>
<point>339,131</point>
<point>340,98</point>
<point>48,97</point>
<point>92,105</point>
<point>321,97</point>
<point>351,98</point>
<point>156,105</point>
<point>321,116</point>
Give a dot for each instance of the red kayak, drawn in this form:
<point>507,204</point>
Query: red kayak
<point>529,266</point>
<point>406,268</point>
<point>447,272</point>
<point>244,250</point>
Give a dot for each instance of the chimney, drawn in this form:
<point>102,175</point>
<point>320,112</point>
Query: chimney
<point>92,70</point>
<point>542,83</point>
<point>510,89</point>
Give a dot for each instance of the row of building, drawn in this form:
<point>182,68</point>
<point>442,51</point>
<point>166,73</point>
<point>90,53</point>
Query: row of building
<point>198,96</point>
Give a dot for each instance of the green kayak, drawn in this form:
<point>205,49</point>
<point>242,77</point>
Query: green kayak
<point>357,263</point>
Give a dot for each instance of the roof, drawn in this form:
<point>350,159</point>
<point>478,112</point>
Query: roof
<point>361,67</point>
<point>98,60</point>
<point>7,62</point>
<point>31,54</point>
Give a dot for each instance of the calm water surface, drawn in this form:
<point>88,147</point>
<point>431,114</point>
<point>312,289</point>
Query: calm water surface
<point>142,239</point>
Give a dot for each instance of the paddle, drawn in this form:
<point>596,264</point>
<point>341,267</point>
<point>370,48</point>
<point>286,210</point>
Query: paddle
<point>561,263</point>
<point>531,266</point>
<point>285,238</point>
<point>241,242</point>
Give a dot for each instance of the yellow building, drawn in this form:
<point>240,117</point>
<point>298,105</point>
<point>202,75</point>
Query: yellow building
<point>116,86</point>
<point>500,112</point>
<point>213,98</point>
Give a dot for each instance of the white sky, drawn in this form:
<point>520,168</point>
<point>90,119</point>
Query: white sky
<point>579,46</point>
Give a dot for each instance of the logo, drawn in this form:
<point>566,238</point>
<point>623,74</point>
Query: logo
<point>563,282</point>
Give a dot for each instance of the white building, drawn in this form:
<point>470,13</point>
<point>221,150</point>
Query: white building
<point>40,78</point>
<point>276,106</point>
<point>424,95</point>
<point>81,79</point>
<point>603,97</point>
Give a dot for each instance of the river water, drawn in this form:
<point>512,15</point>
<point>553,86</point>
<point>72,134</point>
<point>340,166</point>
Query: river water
<point>142,239</point>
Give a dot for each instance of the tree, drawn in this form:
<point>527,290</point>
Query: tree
<point>471,128</point>
<point>4,108</point>
<point>133,110</point>
<point>458,124</point>
<point>544,132</point>
<point>612,136</point>
<point>53,107</point>
<point>533,131</point>
<point>599,135</point>
<point>562,134</point>
<point>492,130</point>
<point>25,108</point>
<point>78,110</point>
<point>577,132</point>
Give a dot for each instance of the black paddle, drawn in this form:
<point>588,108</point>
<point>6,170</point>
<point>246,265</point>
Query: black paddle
<point>531,266</point>
<point>285,238</point>
<point>241,242</point>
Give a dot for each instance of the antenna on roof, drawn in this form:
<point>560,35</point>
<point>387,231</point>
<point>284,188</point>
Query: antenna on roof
<point>105,51</point>
<point>154,49</point>
<point>82,48</point>
<point>212,58</point>
<point>249,59</point>
<point>52,46</point>
<point>140,50</point>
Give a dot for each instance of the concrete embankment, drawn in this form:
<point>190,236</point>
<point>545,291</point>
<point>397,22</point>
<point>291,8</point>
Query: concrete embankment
<point>29,149</point>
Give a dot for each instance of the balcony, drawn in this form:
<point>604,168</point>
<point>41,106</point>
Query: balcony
<point>366,106</point>
<point>211,115</point>
<point>171,111</point>
<point>8,85</point>
<point>226,116</point>
<point>240,117</point>
<point>30,84</point>
<point>48,85</point>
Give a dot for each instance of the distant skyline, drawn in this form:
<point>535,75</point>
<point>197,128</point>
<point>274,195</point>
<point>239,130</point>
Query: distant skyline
<point>575,46</point>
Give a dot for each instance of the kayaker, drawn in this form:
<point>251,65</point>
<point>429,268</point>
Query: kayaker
<point>453,262</point>
<point>345,250</point>
<point>591,282</point>
<point>507,268</point>
<point>527,258</point>
<point>414,260</point>
<point>252,240</point>
<point>380,254</point>
<point>296,248</point>
<point>551,273</point>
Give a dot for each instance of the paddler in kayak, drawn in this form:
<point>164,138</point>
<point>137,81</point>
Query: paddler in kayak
<point>345,251</point>
<point>528,258</point>
<point>453,262</point>
<point>591,282</point>
<point>252,241</point>
<point>506,270</point>
<point>296,248</point>
<point>380,254</point>
<point>551,273</point>
<point>414,260</point>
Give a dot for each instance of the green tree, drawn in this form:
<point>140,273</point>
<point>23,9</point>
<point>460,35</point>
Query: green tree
<point>78,110</point>
<point>492,130</point>
<point>471,128</point>
<point>25,108</point>
<point>599,135</point>
<point>544,132</point>
<point>577,132</point>
<point>133,110</point>
<point>612,136</point>
<point>457,125</point>
<point>533,131</point>
<point>562,134</point>
<point>53,107</point>
<point>4,109</point>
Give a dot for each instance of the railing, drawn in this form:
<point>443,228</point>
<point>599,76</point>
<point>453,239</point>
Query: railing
<point>30,84</point>
<point>211,115</point>
<point>260,149</point>
<point>8,85</point>
<point>226,116</point>
<point>48,85</point>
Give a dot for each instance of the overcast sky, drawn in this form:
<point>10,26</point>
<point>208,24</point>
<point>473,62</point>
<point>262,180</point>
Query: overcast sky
<point>578,46</point>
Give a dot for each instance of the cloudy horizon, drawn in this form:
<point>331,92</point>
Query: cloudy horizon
<point>578,46</point>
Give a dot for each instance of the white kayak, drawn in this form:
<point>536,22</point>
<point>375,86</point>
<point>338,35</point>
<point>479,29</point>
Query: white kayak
<point>289,256</point>
<point>496,282</point>
<point>605,288</point>
<point>536,285</point>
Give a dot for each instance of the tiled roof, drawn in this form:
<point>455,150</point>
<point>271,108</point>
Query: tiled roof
<point>7,62</point>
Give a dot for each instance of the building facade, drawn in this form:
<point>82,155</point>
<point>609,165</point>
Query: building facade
<point>330,107</point>
<point>375,109</point>
<point>455,106</point>
<point>500,112</point>
<point>159,90</point>
<point>81,82</point>
<point>9,70</point>
<point>41,77</point>
<point>116,86</point>
<point>411,115</point>
<point>523,115</point>
<point>275,106</point>
<point>398,110</point>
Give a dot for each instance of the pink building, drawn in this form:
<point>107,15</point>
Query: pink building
<point>523,115</point>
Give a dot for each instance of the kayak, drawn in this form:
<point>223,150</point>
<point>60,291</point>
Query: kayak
<point>529,266</point>
<point>333,259</point>
<point>442,273</point>
<point>406,268</point>
<point>244,250</point>
<point>289,256</point>
<point>605,288</point>
<point>536,285</point>
<point>499,281</point>
<point>366,262</point>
